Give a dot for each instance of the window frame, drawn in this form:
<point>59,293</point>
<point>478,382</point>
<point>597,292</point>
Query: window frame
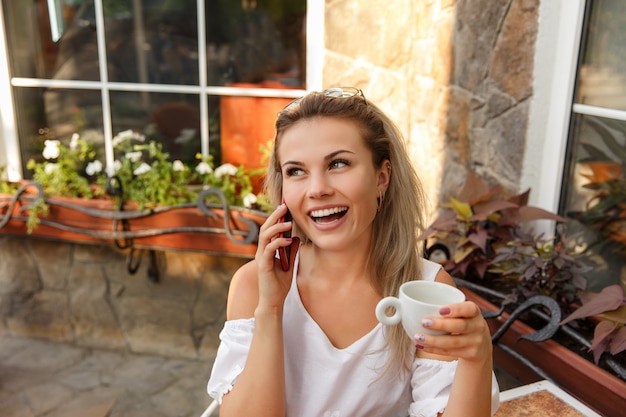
<point>552,102</point>
<point>9,140</point>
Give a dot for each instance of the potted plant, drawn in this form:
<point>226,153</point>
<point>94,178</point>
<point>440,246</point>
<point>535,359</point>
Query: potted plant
<point>143,200</point>
<point>489,243</point>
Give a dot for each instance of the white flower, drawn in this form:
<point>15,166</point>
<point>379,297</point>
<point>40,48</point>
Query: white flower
<point>127,135</point>
<point>225,169</point>
<point>203,168</point>
<point>51,149</point>
<point>93,168</point>
<point>249,200</point>
<point>178,165</point>
<point>133,156</point>
<point>74,141</point>
<point>50,168</point>
<point>113,169</point>
<point>142,169</point>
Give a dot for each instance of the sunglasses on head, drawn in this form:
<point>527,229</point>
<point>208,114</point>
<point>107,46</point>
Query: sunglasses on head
<point>334,92</point>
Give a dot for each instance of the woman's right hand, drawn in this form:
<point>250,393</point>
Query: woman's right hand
<point>274,283</point>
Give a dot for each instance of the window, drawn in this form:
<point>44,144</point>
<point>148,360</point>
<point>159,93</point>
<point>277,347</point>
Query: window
<point>594,180</point>
<point>194,75</point>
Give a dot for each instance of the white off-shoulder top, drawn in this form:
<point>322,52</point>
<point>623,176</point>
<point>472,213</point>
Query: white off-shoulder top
<point>323,381</point>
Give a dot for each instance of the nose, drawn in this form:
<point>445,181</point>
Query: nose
<point>319,185</point>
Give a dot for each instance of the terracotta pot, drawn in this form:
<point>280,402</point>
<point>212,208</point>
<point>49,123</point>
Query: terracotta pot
<point>590,384</point>
<point>184,228</point>
<point>247,125</point>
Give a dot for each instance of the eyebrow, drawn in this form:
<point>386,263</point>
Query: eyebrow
<point>326,158</point>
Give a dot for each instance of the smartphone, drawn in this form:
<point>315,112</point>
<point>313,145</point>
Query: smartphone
<point>285,251</point>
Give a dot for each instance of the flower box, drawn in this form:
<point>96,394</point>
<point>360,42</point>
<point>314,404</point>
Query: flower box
<point>200,228</point>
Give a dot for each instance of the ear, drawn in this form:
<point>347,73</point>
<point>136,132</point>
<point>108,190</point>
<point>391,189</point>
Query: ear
<point>384,175</point>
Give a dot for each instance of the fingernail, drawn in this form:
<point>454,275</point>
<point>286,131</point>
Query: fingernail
<point>427,322</point>
<point>289,239</point>
<point>418,346</point>
<point>419,337</point>
<point>444,310</point>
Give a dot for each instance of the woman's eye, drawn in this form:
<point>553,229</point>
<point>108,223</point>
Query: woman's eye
<point>292,172</point>
<point>339,163</point>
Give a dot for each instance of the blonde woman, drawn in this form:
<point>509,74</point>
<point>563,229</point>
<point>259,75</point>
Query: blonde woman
<point>305,341</point>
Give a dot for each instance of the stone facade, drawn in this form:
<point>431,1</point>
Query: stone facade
<point>84,294</point>
<point>456,75</point>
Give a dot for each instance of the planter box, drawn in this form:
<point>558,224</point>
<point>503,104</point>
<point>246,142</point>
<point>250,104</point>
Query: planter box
<point>581,378</point>
<point>177,228</point>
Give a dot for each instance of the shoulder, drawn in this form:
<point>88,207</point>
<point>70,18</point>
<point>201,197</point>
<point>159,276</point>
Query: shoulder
<point>243,293</point>
<point>433,271</point>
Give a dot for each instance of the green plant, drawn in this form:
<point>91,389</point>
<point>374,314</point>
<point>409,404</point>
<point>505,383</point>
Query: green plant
<point>142,173</point>
<point>490,243</point>
<point>63,171</point>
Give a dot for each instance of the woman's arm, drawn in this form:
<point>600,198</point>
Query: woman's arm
<point>258,290</point>
<point>469,341</point>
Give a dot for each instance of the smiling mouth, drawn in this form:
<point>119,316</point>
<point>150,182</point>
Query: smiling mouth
<point>328,215</point>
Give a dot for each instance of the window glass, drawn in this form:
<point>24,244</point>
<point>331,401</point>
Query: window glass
<point>153,81</point>
<point>256,41</point>
<point>37,50</point>
<point>152,41</point>
<point>594,184</point>
<point>65,112</point>
<point>602,74</point>
<point>172,120</point>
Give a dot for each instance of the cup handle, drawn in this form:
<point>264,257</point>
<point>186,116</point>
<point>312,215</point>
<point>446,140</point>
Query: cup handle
<point>383,305</point>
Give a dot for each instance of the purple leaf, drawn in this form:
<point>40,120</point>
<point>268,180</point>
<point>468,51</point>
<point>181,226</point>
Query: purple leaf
<point>528,213</point>
<point>610,298</point>
<point>479,239</point>
<point>618,343</point>
<point>483,210</point>
<point>599,350</point>
<point>601,332</point>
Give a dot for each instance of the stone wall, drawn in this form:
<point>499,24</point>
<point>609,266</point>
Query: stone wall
<point>84,294</point>
<point>456,75</point>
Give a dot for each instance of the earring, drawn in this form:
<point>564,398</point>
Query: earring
<point>379,200</point>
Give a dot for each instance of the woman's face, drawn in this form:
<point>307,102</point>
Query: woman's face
<point>330,183</point>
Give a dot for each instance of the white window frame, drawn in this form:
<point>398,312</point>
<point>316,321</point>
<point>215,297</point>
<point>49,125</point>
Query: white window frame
<point>556,61</point>
<point>9,141</point>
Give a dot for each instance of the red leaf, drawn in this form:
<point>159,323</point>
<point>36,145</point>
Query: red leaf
<point>610,298</point>
<point>520,199</point>
<point>479,239</point>
<point>618,343</point>
<point>602,330</point>
<point>529,213</point>
<point>599,350</point>
<point>482,210</point>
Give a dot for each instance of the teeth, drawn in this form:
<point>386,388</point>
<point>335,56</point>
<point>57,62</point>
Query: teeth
<point>327,212</point>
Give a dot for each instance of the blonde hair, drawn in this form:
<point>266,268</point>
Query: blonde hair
<point>395,252</point>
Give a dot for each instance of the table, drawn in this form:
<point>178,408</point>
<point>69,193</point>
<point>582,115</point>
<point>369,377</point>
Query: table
<point>543,399</point>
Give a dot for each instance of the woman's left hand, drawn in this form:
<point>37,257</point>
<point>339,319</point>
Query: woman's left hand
<point>468,335</point>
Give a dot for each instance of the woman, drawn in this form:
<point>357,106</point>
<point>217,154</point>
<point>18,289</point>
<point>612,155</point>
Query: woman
<point>306,342</point>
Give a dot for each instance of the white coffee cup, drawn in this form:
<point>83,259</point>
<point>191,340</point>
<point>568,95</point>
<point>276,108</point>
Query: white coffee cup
<point>416,301</point>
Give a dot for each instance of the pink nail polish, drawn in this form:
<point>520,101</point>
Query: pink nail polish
<point>427,322</point>
<point>444,310</point>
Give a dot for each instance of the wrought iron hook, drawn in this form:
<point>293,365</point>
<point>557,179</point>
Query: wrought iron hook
<point>544,333</point>
<point>253,228</point>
